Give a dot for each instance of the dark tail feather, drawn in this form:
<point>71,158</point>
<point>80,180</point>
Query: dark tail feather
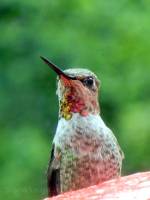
<point>54,183</point>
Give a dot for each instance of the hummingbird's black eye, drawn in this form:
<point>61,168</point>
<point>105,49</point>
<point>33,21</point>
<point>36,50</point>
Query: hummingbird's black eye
<point>88,81</point>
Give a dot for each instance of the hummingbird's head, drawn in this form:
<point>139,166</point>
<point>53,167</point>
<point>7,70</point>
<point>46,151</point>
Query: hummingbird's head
<point>77,91</point>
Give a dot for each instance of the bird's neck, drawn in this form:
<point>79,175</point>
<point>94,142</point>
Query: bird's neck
<point>75,104</point>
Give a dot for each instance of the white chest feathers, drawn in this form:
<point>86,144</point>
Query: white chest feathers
<point>84,134</point>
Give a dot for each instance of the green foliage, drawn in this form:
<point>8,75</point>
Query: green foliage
<point>109,37</point>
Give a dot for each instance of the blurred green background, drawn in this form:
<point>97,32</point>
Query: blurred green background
<point>112,38</point>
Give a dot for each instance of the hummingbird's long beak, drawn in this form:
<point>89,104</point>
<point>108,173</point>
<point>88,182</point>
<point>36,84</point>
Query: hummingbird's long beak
<point>56,69</point>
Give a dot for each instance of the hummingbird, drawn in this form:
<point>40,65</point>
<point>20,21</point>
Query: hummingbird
<point>84,151</point>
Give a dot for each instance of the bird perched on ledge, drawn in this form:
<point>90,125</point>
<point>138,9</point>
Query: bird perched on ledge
<point>85,152</point>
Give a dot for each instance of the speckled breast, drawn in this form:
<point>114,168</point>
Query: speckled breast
<point>77,173</point>
<point>90,155</point>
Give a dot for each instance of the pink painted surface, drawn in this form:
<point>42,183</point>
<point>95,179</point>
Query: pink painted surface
<point>132,187</point>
